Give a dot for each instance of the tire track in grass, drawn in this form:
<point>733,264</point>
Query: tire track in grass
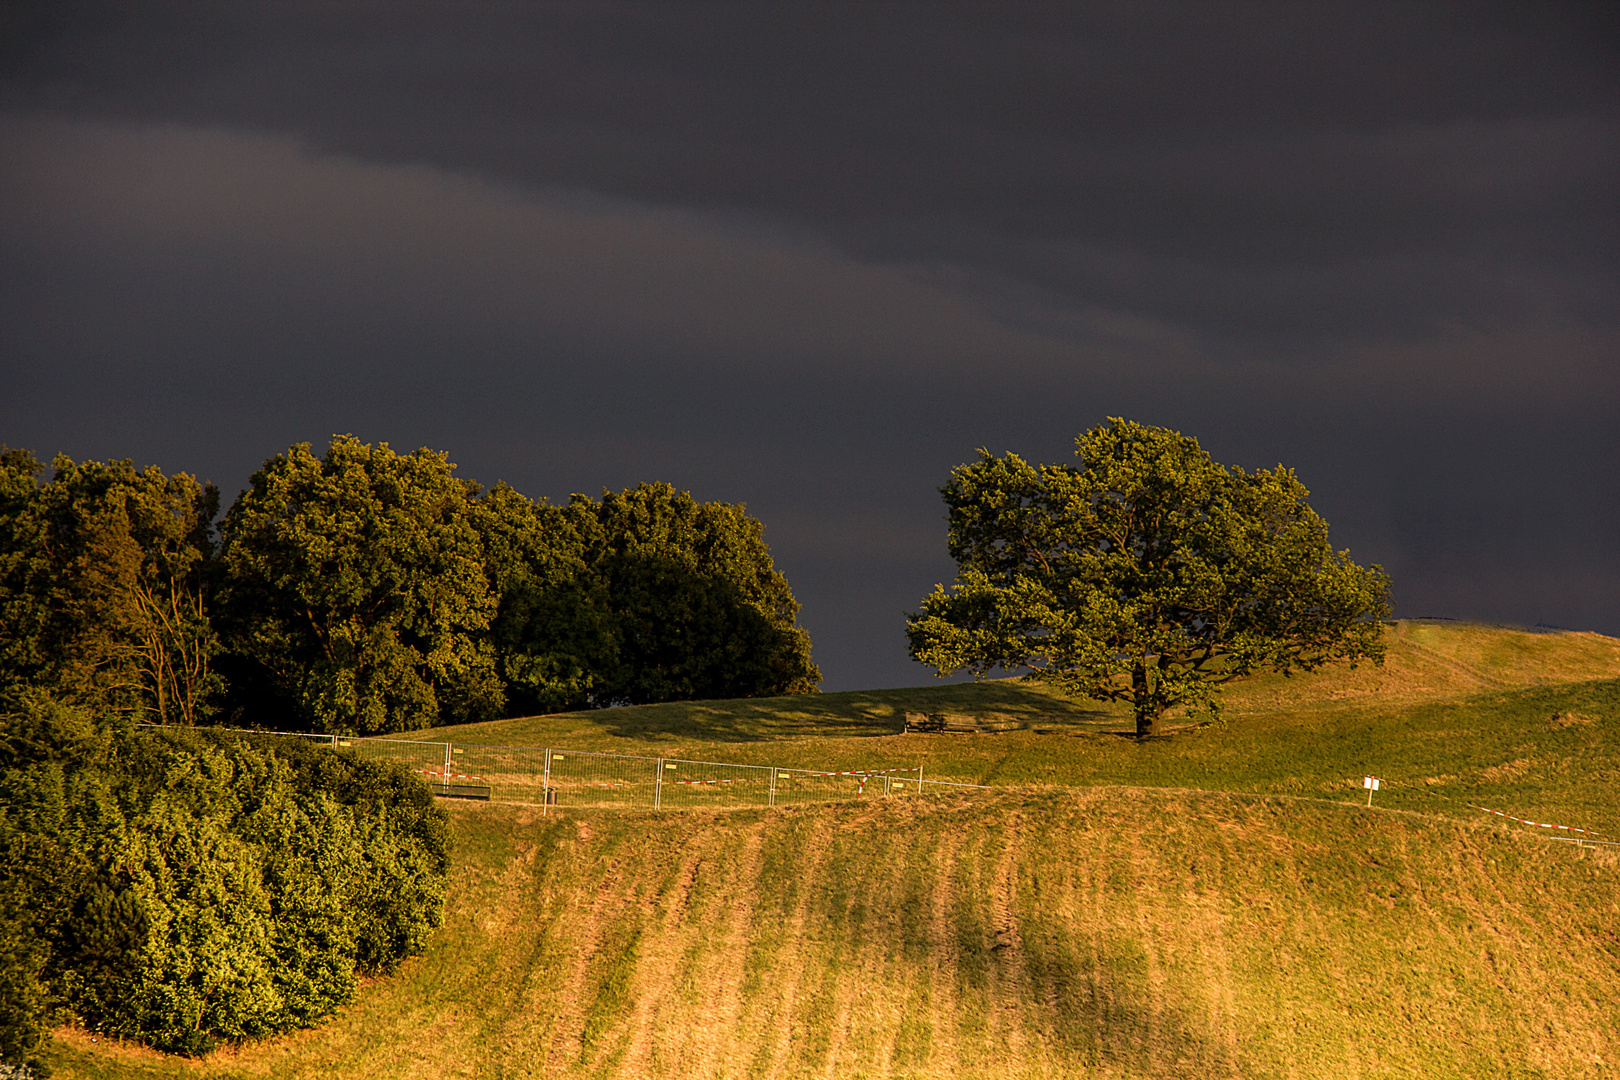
<point>723,1010</point>
<point>904,1040</point>
<point>1052,914</point>
<point>878,844</point>
<point>943,976</point>
<point>1009,978</point>
<point>1086,906</point>
<point>1307,926</point>
<point>520,950</point>
<point>585,932</point>
<point>776,1021</point>
<point>1148,908</point>
<point>662,961</point>
<point>841,942</point>
<point>527,911</point>
<point>1200,913</point>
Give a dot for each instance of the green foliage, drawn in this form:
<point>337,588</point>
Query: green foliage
<point>102,585</point>
<point>355,583</point>
<point>369,592</point>
<point>554,634</point>
<point>189,887</point>
<point>701,610</point>
<point>1151,574</point>
<point>646,596</point>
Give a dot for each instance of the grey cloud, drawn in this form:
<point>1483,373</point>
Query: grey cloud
<point>372,243</point>
<point>809,257</point>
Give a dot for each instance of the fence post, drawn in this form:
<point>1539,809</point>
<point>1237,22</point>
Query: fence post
<point>446,776</point>
<point>658,785</point>
<point>545,785</point>
<point>770,799</point>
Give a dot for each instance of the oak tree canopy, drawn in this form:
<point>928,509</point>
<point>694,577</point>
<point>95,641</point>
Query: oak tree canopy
<point>1150,573</point>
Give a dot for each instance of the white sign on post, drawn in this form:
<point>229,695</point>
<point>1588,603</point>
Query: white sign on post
<point>1371,784</point>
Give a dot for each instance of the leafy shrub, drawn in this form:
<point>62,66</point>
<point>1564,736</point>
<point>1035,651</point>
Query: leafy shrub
<point>183,888</point>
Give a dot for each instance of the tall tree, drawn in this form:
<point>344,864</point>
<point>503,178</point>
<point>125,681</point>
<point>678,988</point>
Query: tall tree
<point>1151,574</point>
<point>645,596</point>
<point>700,608</point>
<point>355,584</point>
<point>554,635</point>
<point>102,584</point>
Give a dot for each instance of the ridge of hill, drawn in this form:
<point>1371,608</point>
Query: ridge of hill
<point>1214,903</point>
<point>1458,714</point>
<point>1426,661</point>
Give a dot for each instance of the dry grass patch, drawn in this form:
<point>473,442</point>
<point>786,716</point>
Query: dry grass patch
<point>1129,919</point>
<point>1114,933</point>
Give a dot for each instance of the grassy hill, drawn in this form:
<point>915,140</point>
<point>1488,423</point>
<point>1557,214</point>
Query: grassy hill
<point>1215,903</point>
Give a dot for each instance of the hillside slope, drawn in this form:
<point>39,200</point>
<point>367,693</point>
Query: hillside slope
<point>1111,933</point>
<point>1216,903</point>
<point>1460,715</point>
<point>1427,661</point>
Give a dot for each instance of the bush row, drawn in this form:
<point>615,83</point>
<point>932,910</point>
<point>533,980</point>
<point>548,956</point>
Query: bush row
<point>183,888</point>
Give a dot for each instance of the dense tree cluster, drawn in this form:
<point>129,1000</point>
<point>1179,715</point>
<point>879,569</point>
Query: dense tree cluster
<point>102,578</point>
<point>1149,574</point>
<point>365,591</point>
<point>186,886</point>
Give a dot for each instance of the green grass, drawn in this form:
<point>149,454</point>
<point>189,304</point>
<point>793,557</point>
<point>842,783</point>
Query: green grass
<point>1459,714</point>
<point>1214,903</point>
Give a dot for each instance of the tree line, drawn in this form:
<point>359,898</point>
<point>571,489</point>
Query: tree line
<point>366,591</point>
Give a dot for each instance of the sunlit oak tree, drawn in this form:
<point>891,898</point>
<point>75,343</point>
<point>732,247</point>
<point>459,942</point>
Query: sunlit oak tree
<point>1149,573</point>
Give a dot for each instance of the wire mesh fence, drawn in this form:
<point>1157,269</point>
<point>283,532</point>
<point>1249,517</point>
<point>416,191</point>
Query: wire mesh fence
<point>579,778</point>
<point>543,776</point>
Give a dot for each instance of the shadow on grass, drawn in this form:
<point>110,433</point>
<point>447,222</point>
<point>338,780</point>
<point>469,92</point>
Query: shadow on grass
<point>851,714</point>
<point>1102,1009</point>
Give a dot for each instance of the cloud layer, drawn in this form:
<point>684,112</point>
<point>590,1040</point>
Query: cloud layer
<point>811,260</point>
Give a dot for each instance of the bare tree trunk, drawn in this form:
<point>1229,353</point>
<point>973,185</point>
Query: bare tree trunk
<point>1148,710</point>
<point>175,653</point>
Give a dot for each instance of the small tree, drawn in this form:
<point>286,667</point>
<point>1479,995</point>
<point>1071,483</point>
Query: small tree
<point>1150,574</point>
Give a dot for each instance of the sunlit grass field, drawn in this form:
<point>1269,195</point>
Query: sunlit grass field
<point>1218,902</point>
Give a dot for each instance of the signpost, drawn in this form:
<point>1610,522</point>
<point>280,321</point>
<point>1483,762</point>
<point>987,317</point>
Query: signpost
<point>1371,784</point>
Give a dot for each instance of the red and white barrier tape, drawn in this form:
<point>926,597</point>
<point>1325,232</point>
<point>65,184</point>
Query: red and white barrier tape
<point>852,772</point>
<point>449,775</point>
<point>1475,806</point>
<point>1537,824</point>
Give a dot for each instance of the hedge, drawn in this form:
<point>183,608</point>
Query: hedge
<point>181,888</point>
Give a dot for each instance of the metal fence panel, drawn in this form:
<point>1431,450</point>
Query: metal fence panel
<point>603,780</point>
<point>697,784</point>
<point>570,778</point>
<point>511,773</point>
<point>812,785</point>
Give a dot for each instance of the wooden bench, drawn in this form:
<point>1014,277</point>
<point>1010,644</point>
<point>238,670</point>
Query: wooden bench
<point>461,791</point>
<point>959,724</point>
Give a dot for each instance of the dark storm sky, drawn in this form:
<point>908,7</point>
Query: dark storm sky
<point>810,257</point>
